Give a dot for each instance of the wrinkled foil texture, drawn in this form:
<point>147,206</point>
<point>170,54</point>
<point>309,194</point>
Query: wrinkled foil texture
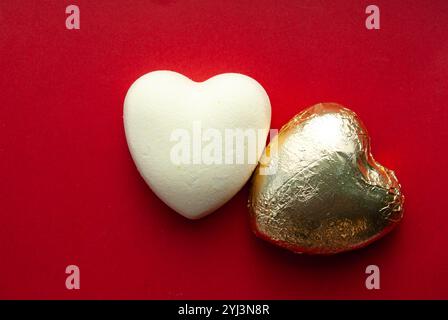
<point>325,194</point>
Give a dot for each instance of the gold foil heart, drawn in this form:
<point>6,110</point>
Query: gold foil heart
<point>318,189</point>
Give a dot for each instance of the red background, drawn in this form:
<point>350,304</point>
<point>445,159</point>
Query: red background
<point>70,193</point>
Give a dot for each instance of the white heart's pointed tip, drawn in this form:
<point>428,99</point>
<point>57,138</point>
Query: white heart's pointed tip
<point>192,212</point>
<point>194,217</point>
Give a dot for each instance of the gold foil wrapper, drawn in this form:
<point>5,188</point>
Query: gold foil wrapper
<point>318,189</point>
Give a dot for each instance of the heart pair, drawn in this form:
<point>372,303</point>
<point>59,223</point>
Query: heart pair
<point>317,188</point>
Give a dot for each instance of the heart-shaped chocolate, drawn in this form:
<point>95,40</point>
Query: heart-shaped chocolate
<point>188,139</point>
<point>318,189</point>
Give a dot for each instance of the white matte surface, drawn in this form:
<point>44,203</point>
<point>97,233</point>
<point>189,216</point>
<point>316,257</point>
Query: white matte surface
<point>162,101</point>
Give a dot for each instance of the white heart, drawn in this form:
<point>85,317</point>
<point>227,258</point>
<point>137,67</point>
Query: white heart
<point>163,102</point>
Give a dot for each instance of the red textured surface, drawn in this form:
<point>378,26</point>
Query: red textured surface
<point>70,193</point>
